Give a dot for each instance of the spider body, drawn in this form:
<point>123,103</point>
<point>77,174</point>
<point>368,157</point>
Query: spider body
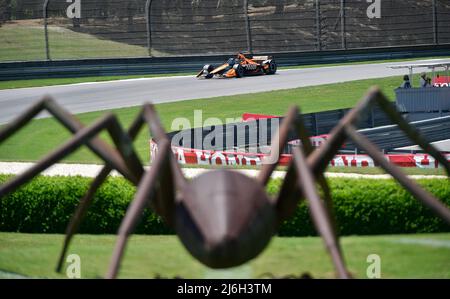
<point>227,219</point>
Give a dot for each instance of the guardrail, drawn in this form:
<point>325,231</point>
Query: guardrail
<point>186,64</point>
<point>389,138</point>
<point>256,132</point>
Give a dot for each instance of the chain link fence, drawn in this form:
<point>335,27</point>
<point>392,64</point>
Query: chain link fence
<point>73,29</point>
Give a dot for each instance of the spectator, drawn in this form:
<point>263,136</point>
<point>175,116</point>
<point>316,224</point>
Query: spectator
<point>429,84</point>
<point>406,83</point>
<point>423,80</point>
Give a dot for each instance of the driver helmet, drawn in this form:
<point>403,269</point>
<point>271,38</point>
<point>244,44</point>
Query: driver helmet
<point>231,61</point>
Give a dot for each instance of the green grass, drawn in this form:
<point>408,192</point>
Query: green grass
<point>402,256</point>
<point>24,40</point>
<point>43,135</point>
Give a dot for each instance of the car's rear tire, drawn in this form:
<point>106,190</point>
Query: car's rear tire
<point>272,69</point>
<point>239,70</point>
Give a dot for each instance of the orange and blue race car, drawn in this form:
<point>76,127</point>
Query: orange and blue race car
<point>240,66</point>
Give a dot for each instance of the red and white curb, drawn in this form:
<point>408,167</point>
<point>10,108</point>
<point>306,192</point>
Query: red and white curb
<point>188,156</point>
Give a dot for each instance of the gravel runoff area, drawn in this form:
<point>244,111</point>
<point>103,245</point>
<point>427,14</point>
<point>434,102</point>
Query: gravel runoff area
<point>91,170</point>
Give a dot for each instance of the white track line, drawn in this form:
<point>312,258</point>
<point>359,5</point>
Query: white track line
<point>424,242</point>
<point>91,170</point>
<point>108,81</point>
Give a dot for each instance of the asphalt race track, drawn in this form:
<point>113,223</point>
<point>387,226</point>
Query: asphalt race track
<point>86,97</point>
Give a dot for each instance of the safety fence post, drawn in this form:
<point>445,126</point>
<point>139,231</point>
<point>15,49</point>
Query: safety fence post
<point>45,12</point>
<point>318,27</point>
<point>248,28</point>
<point>148,9</point>
<point>435,23</point>
<point>343,37</point>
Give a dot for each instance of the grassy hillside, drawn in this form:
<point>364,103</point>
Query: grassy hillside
<point>25,40</point>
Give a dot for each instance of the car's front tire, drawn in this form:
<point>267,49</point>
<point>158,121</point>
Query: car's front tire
<point>207,69</point>
<point>239,70</point>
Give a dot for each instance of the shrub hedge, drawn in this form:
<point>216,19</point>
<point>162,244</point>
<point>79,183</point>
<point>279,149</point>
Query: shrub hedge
<point>362,206</point>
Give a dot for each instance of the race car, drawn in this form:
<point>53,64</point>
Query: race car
<point>240,66</point>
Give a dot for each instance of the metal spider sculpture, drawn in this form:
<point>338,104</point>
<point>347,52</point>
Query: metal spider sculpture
<point>223,218</point>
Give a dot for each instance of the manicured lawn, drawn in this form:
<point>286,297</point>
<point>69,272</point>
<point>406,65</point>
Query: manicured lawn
<point>44,135</point>
<point>402,256</point>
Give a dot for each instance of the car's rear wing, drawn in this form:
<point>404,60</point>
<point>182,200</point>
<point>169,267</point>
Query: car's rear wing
<point>262,58</point>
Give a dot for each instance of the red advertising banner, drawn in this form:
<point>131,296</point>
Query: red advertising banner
<point>441,81</point>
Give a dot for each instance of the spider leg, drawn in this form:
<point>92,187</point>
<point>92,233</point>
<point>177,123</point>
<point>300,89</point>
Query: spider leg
<point>277,144</point>
<point>72,124</point>
<point>161,205</point>
<point>86,201</point>
<point>80,212</point>
<point>422,195</point>
<point>96,144</point>
<point>320,158</point>
<point>409,130</point>
<point>316,163</point>
<point>318,211</point>
<point>289,193</point>
<point>125,158</point>
<point>144,195</point>
<point>308,149</point>
<point>45,104</point>
<point>159,134</point>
